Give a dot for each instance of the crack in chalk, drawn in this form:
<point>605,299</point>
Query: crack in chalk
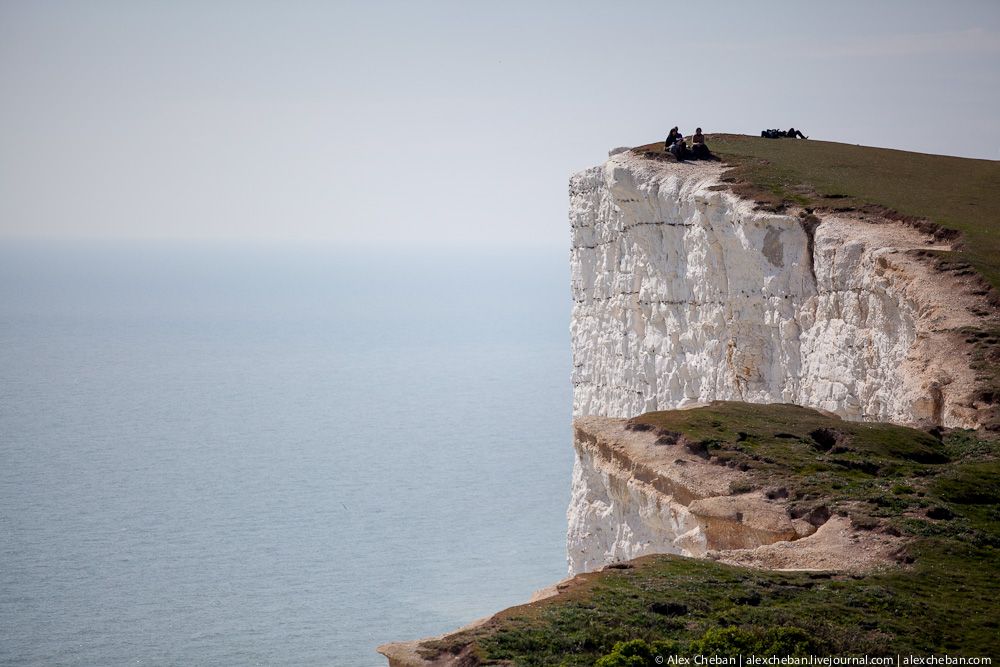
<point>616,387</point>
<point>626,228</point>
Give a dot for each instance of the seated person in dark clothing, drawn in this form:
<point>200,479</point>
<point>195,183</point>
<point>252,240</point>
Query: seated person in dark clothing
<point>671,138</point>
<point>793,133</point>
<point>699,149</point>
<point>679,149</point>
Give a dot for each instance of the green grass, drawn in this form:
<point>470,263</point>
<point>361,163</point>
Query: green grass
<point>958,194</point>
<point>811,458</point>
<point>946,600</point>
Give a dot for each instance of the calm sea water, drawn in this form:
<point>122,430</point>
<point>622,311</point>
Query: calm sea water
<point>239,455</point>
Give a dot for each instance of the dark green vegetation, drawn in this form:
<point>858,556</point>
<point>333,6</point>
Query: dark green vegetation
<point>957,194</point>
<point>813,460</point>
<point>729,642</point>
<point>943,494</point>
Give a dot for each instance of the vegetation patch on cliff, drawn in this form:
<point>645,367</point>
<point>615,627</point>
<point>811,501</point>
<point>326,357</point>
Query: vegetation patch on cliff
<point>939,491</point>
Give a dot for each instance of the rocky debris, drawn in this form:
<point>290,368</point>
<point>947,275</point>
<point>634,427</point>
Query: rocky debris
<point>836,545</point>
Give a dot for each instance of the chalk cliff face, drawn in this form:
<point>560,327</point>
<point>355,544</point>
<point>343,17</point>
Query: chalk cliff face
<point>684,293</point>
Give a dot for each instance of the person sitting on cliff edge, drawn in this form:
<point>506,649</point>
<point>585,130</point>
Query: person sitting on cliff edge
<point>699,149</point>
<point>671,138</point>
<point>679,149</point>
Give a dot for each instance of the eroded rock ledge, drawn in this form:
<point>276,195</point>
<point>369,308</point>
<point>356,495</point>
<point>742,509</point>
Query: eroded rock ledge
<point>637,492</point>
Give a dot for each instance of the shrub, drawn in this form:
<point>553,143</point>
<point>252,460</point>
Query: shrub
<point>637,653</point>
<point>733,642</point>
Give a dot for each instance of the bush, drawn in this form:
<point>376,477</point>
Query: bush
<point>725,642</point>
<point>637,653</point>
<point>733,642</point>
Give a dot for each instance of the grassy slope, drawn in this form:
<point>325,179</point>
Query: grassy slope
<point>947,600</point>
<point>957,193</point>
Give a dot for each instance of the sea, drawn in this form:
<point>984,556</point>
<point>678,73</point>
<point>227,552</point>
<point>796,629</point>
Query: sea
<point>226,453</point>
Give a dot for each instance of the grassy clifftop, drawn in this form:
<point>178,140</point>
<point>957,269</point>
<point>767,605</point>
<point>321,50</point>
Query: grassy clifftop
<point>941,494</point>
<point>958,194</point>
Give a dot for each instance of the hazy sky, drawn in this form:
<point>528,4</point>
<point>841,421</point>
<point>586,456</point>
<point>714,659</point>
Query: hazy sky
<point>437,122</point>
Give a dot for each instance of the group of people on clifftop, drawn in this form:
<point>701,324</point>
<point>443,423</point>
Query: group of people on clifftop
<point>791,133</point>
<point>676,146</point>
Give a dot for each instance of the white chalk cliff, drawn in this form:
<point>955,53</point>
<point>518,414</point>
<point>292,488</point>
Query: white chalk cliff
<point>684,293</point>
